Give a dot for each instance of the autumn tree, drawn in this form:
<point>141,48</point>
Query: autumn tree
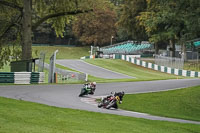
<point>20,17</point>
<point>98,26</point>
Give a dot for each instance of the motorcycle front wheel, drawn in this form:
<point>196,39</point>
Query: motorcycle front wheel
<point>83,92</point>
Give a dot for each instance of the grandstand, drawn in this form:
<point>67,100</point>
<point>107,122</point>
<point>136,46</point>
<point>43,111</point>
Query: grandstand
<point>128,47</point>
<point>197,44</point>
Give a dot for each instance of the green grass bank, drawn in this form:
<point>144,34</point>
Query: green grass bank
<point>181,103</point>
<point>140,73</point>
<point>26,117</point>
<point>63,52</point>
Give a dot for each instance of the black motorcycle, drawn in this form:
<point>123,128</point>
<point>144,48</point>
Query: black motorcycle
<point>111,100</point>
<point>85,91</point>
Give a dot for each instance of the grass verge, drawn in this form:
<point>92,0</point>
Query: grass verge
<point>182,103</point>
<point>63,52</point>
<point>133,70</point>
<point>20,116</point>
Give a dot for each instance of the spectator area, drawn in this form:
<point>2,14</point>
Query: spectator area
<point>128,47</point>
<point>197,44</point>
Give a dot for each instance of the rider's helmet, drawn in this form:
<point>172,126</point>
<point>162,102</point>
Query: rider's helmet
<point>93,84</point>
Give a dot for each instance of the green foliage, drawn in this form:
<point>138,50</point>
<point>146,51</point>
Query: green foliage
<point>57,13</point>
<point>45,8</point>
<point>98,26</point>
<point>130,10</point>
<point>117,2</point>
<point>4,58</point>
<point>9,53</point>
<point>162,20</point>
<point>183,103</point>
<point>170,20</point>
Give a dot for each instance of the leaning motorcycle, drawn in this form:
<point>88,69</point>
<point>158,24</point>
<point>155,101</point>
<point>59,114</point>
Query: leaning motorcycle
<point>86,91</point>
<point>111,100</point>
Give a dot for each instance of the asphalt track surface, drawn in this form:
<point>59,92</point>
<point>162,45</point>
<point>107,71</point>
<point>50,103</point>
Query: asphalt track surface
<point>66,96</point>
<point>90,69</point>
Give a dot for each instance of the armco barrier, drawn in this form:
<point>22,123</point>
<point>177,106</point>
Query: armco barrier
<point>86,57</point>
<point>169,70</point>
<point>35,77</point>
<point>22,77</point>
<point>6,77</point>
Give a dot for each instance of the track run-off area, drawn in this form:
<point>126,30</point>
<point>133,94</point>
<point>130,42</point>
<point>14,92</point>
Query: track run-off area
<point>66,95</point>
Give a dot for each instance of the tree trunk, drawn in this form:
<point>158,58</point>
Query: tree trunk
<point>184,54</point>
<point>172,48</point>
<point>27,31</point>
<point>156,48</point>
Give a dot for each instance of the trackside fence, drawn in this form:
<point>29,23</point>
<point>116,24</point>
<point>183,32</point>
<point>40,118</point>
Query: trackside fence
<point>64,76</point>
<point>172,62</point>
<point>157,67</point>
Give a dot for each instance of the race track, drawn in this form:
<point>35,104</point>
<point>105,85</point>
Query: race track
<point>90,69</point>
<point>66,96</point>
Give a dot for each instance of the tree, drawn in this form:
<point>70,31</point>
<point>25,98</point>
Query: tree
<point>24,16</point>
<point>190,10</point>
<point>122,34</point>
<point>98,26</point>
<point>117,2</point>
<point>169,20</point>
<point>159,22</point>
<point>130,10</point>
<point>9,30</point>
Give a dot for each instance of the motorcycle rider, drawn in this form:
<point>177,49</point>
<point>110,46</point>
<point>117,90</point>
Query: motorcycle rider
<point>120,94</point>
<point>115,94</point>
<point>90,87</point>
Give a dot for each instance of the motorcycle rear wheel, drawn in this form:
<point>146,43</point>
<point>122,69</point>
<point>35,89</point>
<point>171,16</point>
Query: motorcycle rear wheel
<point>83,92</point>
<point>110,105</point>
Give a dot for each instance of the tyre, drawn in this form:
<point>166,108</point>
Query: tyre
<point>100,104</point>
<point>80,95</point>
<point>110,105</point>
<point>115,106</point>
<point>83,92</point>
